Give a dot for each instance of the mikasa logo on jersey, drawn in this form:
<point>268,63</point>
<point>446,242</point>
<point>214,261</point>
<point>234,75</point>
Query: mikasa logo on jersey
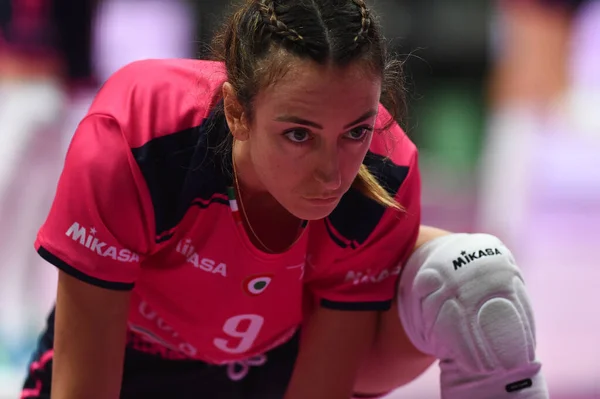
<point>186,248</point>
<point>90,241</point>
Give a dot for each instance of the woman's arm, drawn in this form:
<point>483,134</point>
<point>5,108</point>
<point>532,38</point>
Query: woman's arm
<point>89,341</point>
<point>333,344</point>
<point>394,361</point>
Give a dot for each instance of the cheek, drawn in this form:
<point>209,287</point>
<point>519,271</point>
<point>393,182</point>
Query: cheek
<point>351,161</point>
<point>278,170</point>
<point>349,170</point>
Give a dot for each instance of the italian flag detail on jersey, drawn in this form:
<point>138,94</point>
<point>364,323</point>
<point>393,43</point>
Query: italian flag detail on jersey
<point>233,205</point>
<point>255,285</point>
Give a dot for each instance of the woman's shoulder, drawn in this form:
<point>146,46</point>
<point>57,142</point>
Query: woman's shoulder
<point>390,142</point>
<point>158,97</point>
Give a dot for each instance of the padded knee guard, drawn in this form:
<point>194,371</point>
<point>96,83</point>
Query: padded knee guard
<point>462,299</point>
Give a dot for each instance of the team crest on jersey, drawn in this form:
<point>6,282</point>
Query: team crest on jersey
<point>256,285</point>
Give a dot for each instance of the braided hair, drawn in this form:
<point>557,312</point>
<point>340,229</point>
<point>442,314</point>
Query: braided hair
<point>365,22</point>
<point>269,17</point>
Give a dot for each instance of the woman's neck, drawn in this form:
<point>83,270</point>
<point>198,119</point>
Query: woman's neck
<point>263,215</point>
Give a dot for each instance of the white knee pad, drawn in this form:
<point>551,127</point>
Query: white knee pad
<point>462,299</point>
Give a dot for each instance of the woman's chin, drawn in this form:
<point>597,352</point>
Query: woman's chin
<point>313,209</point>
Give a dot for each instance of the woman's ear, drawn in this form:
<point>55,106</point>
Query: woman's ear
<point>234,113</point>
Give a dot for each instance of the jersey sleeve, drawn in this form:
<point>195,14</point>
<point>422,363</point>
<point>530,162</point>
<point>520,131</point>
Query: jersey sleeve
<point>97,228</point>
<point>364,276</point>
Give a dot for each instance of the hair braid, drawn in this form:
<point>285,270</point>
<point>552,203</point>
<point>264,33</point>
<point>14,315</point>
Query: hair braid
<point>267,10</point>
<point>365,22</point>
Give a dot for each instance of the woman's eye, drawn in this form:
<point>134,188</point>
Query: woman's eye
<point>358,133</point>
<point>297,136</point>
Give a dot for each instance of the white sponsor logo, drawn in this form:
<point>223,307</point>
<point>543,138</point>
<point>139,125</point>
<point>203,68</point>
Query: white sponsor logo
<point>366,277</point>
<point>238,370</point>
<point>89,240</point>
<point>186,248</point>
<point>180,345</point>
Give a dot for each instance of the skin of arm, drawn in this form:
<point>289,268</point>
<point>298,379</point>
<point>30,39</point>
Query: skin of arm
<point>89,341</point>
<point>333,345</point>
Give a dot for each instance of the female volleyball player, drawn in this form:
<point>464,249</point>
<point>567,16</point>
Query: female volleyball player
<point>236,229</point>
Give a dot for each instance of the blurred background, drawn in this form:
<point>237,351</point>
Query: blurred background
<point>504,101</point>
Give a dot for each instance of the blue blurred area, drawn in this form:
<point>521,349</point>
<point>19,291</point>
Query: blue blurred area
<point>504,104</point>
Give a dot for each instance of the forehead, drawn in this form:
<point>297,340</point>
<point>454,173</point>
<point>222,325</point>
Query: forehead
<point>310,88</point>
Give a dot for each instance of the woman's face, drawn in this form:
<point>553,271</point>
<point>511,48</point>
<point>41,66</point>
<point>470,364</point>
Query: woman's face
<point>309,135</point>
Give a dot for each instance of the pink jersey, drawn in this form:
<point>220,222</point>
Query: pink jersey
<point>143,205</point>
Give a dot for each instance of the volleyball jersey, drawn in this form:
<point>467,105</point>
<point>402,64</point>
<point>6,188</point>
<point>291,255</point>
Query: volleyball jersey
<point>144,203</point>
